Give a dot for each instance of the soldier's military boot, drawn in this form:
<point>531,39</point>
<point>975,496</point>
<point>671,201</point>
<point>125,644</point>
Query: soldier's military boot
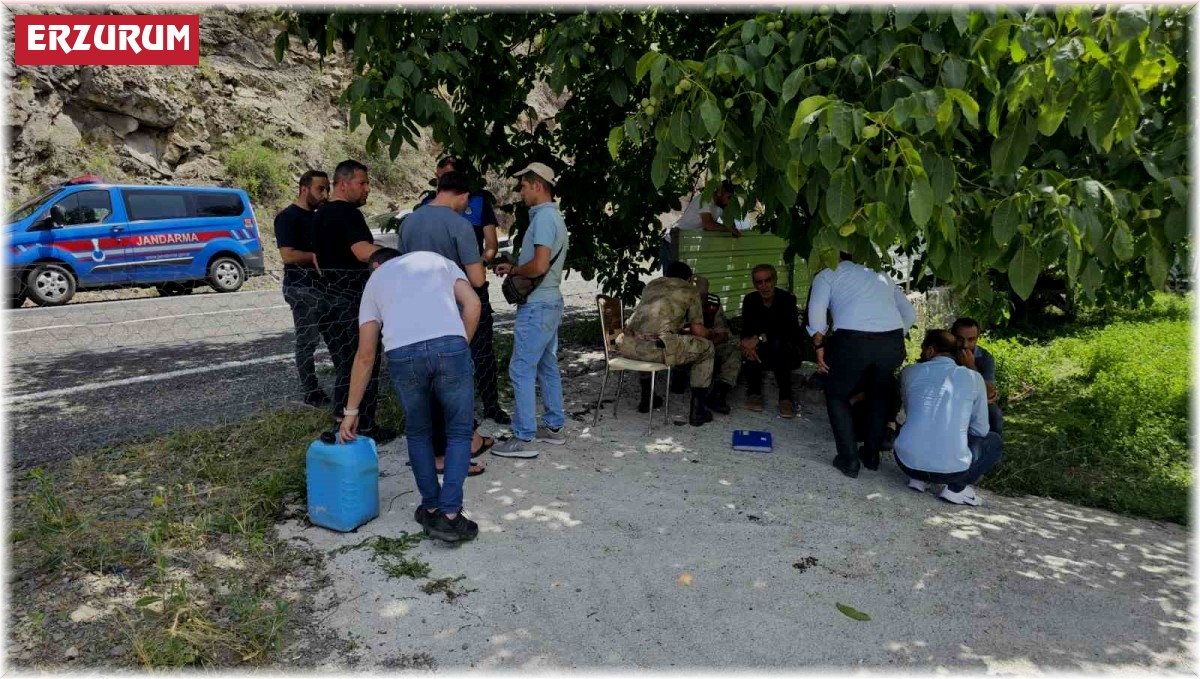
<point>680,380</point>
<point>716,398</point>
<point>644,404</point>
<point>699,413</point>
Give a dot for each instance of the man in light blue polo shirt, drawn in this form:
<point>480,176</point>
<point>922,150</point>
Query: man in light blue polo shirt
<point>534,361</point>
<point>945,437</point>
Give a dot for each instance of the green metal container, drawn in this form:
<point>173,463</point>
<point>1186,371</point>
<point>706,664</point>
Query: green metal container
<point>727,262</point>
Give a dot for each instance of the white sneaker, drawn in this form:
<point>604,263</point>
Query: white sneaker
<point>966,496</point>
<point>917,485</point>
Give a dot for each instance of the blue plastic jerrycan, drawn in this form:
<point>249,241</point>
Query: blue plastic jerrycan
<point>343,482</point>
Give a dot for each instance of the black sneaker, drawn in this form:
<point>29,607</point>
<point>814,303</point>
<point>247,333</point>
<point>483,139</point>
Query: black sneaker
<point>458,529</point>
<point>317,399</point>
<point>380,435</point>
<point>499,417</point>
<point>424,517</point>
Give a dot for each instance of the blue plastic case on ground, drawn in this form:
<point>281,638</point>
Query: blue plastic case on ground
<point>753,441</point>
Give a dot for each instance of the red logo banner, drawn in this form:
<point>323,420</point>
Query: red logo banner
<point>107,40</point>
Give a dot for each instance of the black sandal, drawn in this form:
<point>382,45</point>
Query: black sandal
<point>488,442</point>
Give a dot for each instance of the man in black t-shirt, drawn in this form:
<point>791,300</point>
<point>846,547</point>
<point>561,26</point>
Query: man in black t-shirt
<point>343,244</point>
<point>294,236</point>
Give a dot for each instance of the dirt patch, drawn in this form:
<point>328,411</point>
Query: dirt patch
<point>804,564</point>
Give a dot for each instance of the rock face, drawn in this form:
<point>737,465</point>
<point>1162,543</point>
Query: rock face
<point>159,124</point>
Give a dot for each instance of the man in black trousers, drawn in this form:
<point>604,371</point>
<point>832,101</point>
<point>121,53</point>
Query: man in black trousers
<point>870,316</point>
<point>343,244</point>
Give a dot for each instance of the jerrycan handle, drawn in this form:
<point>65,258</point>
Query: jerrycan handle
<point>331,437</point>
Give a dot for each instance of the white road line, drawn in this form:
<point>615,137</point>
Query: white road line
<point>157,377</point>
<point>29,311</point>
<point>143,320</point>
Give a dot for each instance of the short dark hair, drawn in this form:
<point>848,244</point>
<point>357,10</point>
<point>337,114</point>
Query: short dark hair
<point>679,269</point>
<point>964,322</point>
<point>454,182</point>
<point>345,170</point>
<point>382,255</point>
<point>455,163</point>
<point>846,256</point>
<point>941,340</point>
<point>307,177</point>
<point>728,186</point>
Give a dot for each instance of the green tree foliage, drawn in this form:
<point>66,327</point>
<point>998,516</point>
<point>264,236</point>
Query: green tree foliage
<point>993,146</point>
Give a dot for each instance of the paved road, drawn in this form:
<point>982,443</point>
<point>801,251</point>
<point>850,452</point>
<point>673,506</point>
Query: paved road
<point>85,375</point>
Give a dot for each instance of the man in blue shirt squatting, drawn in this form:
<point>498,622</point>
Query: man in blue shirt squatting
<point>535,332</point>
<point>966,330</point>
<point>945,437</point>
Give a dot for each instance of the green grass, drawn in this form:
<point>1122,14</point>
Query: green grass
<point>263,171</point>
<point>155,511</point>
<point>1096,410</point>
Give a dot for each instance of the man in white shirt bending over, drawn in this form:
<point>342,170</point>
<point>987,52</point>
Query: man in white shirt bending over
<point>945,437</point>
<point>870,316</point>
<point>697,217</point>
<point>414,301</point>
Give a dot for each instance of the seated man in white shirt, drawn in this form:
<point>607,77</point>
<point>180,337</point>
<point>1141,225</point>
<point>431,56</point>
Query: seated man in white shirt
<point>945,437</point>
<point>696,217</point>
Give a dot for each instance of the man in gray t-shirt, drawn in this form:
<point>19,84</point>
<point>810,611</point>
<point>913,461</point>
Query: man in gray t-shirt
<point>439,227</point>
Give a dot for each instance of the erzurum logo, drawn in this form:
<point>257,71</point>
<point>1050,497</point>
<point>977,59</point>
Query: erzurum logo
<point>107,40</point>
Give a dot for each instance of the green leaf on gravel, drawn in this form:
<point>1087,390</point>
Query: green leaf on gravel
<point>853,613</point>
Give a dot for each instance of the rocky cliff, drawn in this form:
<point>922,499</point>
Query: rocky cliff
<point>184,124</point>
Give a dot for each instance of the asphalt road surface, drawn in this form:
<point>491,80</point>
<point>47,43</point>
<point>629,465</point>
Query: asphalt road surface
<point>86,375</point>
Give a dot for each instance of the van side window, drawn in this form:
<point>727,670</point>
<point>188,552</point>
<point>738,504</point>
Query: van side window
<point>150,205</point>
<point>86,207</point>
<point>217,205</point>
<point>143,205</point>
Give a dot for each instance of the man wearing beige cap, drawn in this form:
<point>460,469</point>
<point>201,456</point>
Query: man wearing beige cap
<point>534,361</point>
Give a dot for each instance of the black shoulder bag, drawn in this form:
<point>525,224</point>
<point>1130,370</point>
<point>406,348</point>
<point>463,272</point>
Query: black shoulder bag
<point>517,288</point>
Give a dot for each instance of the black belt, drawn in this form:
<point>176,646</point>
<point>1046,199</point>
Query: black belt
<point>864,333</point>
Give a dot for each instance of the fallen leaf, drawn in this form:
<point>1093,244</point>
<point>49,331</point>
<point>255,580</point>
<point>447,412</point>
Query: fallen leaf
<point>685,579</point>
<point>853,613</point>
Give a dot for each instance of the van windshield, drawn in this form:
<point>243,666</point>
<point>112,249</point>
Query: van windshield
<point>28,207</point>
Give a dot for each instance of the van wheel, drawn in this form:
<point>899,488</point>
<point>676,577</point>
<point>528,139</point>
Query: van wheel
<point>50,284</point>
<point>173,289</point>
<point>225,274</point>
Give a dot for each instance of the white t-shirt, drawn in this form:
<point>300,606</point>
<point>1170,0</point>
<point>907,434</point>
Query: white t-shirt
<point>690,219</point>
<point>413,297</point>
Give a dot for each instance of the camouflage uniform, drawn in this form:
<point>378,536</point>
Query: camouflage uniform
<point>728,359</point>
<point>667,305</point>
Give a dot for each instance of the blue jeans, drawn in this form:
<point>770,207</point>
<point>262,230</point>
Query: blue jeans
<point>438,369</point>
<point>535,359</point>
<point>986,451</point>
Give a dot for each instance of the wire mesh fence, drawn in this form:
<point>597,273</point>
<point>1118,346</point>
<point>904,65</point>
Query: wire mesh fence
<point>94,373</point>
